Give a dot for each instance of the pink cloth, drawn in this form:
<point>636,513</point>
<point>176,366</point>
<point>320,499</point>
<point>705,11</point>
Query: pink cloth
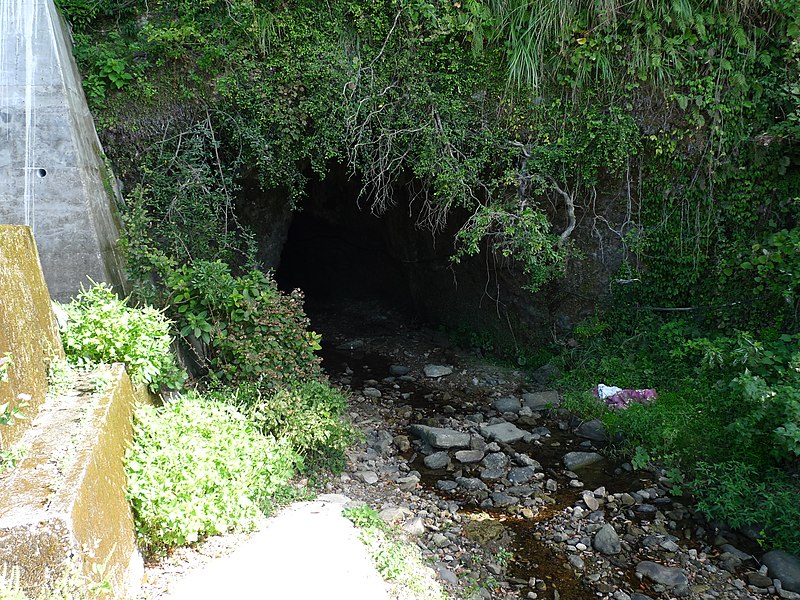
<point>623,398</point>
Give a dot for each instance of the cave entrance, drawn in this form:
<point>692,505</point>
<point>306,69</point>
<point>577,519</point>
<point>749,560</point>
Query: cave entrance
<point>341,255</point>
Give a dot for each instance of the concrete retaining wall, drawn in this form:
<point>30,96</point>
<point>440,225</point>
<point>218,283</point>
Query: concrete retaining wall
<point>53,175</point>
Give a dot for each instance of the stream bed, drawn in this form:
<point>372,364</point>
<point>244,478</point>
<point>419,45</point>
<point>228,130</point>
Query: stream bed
<point>476,461</point>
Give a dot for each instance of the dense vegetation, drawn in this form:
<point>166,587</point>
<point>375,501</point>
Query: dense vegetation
<point>664,132</point>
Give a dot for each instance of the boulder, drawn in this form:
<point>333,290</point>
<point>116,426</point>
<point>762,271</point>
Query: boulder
<point>606,540</point>
<point>592,430</point>
<point>437,460</point>
<point>439,437</point>
<point>541,400</point>
<point>576,460</point>
<point>436,371</point>
<point>506,433</point>
<point>784,566</point>
<point>666,576</point>
<point>507,405</point>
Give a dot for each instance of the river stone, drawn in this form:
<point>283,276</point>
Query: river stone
<point>395,514</point>
<point>576,460</point>
<point>437,460</point>
<point>590,501</point>
<point>519,475</point>
<point>398,370</point>
<point>436,371</point>
<point>544,374</point>
<point>469,456</point>
<point>381,441</point>
<point>734,551</point>
<point>667,576</point>
<point>441,438</point>
<point>507,405</point>
<point>368,477</point>
<point>473,484</point>
<point>638,596</point>
<point>784,566</point>
<point>446,485</point>
<point>506,433</point>
<point>592,430</point>
<point>408,483</point>
<point>541,400</point>
<point>576,561</point>
<point>606,540</point>
<point>758,580</point>
<point>501,499</point>
<point>495,466</point>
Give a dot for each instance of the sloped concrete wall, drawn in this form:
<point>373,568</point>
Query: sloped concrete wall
<point>63,508</point>
<point>28,329</point>
<point>53,176</point>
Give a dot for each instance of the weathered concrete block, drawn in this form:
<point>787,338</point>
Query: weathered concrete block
<point>64,506</point>
<point>28,329</point>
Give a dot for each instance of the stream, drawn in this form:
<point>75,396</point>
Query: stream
<point>506,518</point>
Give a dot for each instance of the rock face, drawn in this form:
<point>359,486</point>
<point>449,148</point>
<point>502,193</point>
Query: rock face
<point>784,566</point>
<point>667,576</point>
<point>441,438</point>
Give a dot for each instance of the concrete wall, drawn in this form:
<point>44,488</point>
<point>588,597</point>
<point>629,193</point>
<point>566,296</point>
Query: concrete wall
<point>53,175</point>
<point>28,328</point>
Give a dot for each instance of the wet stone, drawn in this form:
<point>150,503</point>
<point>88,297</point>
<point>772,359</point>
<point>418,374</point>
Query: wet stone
<point>437,460</point>
<point>469,456</point>
<point>507,405</point>
<point>506,433</point>
<point>372,392</point>
<point>592,430</point>
<point>398,370</point>
<point>667,576</point>
<point>441,438</point>
<point>472,484</point>
<point>576,460</point>
<point>519,475</point>
<point>501,499</point>
<point>436,371</point>
<point>446,485</point>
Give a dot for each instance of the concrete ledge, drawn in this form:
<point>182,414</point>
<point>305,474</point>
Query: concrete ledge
<point>64,506</point>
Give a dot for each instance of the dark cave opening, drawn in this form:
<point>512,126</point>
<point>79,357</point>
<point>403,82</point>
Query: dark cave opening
<point>338,253</point>
<point>344,257</point>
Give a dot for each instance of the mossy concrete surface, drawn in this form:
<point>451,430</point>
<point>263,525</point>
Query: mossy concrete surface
<point>63,508</point>
<point>28,329</point>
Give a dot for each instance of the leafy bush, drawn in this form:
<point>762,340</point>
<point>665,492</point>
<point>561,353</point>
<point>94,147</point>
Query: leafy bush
<point>247,330</point>
<point>307,415</point>
<point>741,495</point>
<point>197,467</point>
<point>103,328</point>
<point>727,418</point>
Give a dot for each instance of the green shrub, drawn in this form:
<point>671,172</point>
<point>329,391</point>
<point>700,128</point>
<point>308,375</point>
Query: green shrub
<point>741,495</point>
<point>197,467</point>
<point>247,328</point>
<point>102,328</point>
<point>308,415</point>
